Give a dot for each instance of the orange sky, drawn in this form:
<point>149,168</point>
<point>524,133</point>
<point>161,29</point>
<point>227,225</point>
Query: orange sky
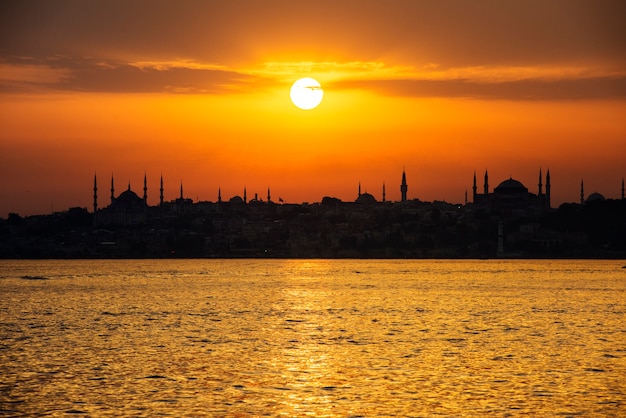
<point>199,91</point>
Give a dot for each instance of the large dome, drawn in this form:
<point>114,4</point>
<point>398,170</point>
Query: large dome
<point>128,200</point>
<point>511,186</point>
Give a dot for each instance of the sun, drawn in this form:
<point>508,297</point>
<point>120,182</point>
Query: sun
<point>306,93</point>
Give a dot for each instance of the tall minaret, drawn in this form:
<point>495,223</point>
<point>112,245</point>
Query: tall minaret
<point>161,190</point>
<point>540,185</point>
<point>465,197</point>
<point>403,187</point>
<point>486,185</point>
<point>95,193</point>
<point>145,188</point>
<point>582,192</point>
<point>269,199</point>
<point>622,188</point>
<point>359,189</point>
<point>474,188</point>
<point>219,194</point>
<point>181,189</point>
<point>112,190</point>
<point>245,195</point>
<point>548,189</point>
<point>384,194</point>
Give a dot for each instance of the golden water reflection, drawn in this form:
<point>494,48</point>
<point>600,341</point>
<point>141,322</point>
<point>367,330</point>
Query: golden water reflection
<point>313,338</point>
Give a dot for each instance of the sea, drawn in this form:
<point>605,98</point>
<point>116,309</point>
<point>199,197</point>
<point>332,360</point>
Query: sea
<point>319,338</point>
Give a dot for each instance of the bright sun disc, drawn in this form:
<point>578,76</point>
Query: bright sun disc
<point>306,93</point>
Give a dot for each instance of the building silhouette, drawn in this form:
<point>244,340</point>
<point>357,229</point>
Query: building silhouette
<point>511,197</point>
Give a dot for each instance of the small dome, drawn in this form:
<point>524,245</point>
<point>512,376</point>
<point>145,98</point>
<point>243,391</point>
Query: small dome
<point>236,199</point>
<point>595,197</point>
<point>365,198</point>
<point>511,186</point>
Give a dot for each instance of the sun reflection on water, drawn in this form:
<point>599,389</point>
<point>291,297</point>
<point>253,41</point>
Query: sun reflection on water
<point>312,338</point>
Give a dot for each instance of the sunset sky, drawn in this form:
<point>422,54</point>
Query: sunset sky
<point>198,91</point>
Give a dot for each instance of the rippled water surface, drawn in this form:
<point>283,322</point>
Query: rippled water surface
<point>312,338</point>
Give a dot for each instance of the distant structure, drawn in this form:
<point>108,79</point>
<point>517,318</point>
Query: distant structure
<point>403,187</point>
<point>595,196</point>
<point>364,197</point>
<point>126,209</point>
<point>512,197</point>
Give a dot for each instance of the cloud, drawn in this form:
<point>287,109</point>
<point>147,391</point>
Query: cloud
<point>481,82</point>
<point>92,75</point>
<point>61,73</point>
<point>528,89</point>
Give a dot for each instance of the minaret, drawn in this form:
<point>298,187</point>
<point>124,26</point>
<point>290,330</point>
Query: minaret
<point>474,188</point>
<point>622,188</point>
<point>245,196</point>
<point>548,189</point>
<point>359,189</point>
<point>465,197</point>
<point>181,189</point>
<point>486,185</point>
<point>161,190</point>
<point>384,194</point>
<point>95,193</point>
<point>145,188</point>
<point>219,194</point>
<point>269,199</point>
<point>112,190</point>
<point>540,185</point>
<point>403,187</point>
<point>582,192</point>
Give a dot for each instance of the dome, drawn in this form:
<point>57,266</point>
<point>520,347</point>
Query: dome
<point>595,197</point>
<point>365,198</point>
<point>511,186</point>
<point>128,195</point>
<point>128,200</point>
<point>236,199</point>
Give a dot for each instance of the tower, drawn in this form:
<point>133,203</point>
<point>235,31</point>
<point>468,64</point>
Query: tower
<point>403,187</point>
<point>486,185</point>
<point>269,199</point>
<point>582,192</point>
<point>95,193</point>
<point>181,190</point>
<point>219,194</point>
<point>161,190</point>
<point>359,189</point>
<point>245,197</point>
<point>474,188</point>
<point>384,194</point>
<point>112,190</point>
<point>145,188</point>
<point>548,189</point>
<point>540,185</point>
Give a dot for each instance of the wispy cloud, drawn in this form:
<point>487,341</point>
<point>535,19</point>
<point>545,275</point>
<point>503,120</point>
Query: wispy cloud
<point>185,76</point>
<point>95,75</point>
<point>484,82</point>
